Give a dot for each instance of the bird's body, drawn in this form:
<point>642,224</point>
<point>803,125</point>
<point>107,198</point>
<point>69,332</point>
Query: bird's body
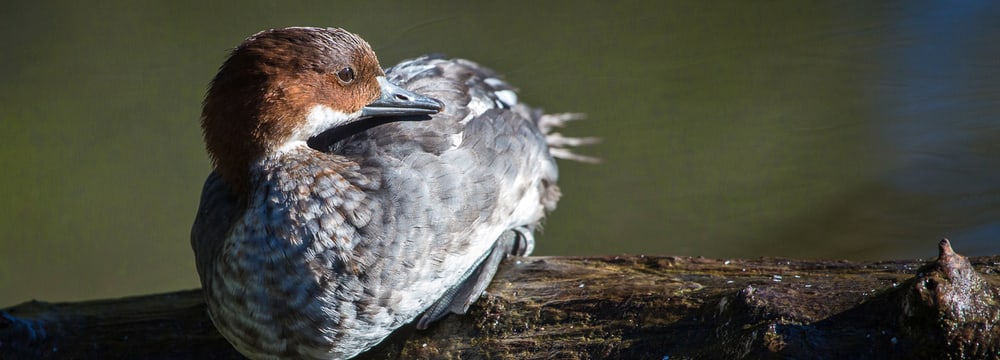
<point>341,231</point>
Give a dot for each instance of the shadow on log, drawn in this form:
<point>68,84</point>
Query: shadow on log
<point>629,307</point>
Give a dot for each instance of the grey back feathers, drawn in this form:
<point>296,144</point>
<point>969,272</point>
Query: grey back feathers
<point>342,243</point>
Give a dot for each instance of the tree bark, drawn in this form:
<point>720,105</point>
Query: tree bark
<point>629,307</point>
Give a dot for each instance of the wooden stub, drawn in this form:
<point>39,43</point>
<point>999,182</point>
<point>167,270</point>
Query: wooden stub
<point>629,307</point>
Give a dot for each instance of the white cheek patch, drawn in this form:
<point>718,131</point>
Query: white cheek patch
<point>320,118</point>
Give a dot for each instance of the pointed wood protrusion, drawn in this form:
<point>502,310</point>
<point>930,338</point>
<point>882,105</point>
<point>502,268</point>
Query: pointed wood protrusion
<point>628,307</point>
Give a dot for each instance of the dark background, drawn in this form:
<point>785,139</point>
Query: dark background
<point>850,130</point>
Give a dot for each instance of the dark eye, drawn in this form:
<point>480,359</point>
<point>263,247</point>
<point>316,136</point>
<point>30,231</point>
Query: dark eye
<point>346,75</point>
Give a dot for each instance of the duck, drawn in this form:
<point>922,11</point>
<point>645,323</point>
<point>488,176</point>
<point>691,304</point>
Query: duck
<point>346,201</point>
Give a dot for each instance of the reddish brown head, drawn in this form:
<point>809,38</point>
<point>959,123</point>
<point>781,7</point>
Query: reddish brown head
<point>281,86</point>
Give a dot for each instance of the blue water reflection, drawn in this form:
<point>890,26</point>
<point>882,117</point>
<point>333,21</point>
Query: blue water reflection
<point>854,129</point>
<point>940,95</point>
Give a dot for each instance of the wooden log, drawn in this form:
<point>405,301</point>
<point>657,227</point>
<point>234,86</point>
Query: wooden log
<point>629,307</point>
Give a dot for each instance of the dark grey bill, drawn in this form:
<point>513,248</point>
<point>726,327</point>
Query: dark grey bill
<point>397,101</point>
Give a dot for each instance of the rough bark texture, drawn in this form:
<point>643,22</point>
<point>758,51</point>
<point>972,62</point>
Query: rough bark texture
<point>607,307</point>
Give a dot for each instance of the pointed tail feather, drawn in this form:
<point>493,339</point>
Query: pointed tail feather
<point>561,146</point>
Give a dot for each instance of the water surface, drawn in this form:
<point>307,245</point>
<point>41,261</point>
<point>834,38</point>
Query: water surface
<point>856,130</point>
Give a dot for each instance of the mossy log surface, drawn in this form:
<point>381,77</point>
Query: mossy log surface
<point>629,307</point>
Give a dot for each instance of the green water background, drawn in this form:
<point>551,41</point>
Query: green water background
<point>835,130</point>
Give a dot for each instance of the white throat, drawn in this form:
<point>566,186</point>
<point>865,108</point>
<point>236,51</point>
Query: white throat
<point>320,118</point>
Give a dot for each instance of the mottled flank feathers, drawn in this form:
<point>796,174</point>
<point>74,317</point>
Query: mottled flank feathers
<point>324,247</point>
